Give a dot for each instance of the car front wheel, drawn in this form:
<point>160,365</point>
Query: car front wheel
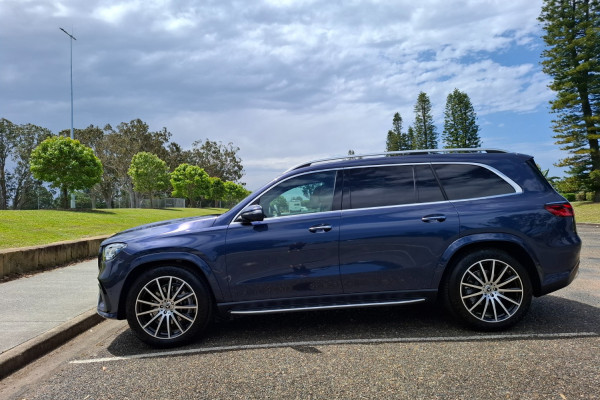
<point>488,290</point>
<point>168,306</point>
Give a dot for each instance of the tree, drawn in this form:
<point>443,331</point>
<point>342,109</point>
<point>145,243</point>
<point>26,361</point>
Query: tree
<point>218,160</point>
<point>177,156</point>
<point>393,136</point>
<point>460,122</point>
<point>410,134</point>
<point>149,174</point>
<point>396,140</point>
<point>16,145</point>
<point>66,164</point>
<point>217,190</point>
<point>104,148</point>
<point>425,135</point>
<point>37,197</point>
<point>190,182</point>
<point>234,193</point>
<point>7,143</point>
<point>29,137</point>
<point>572,37</point>
<point>129,139</point>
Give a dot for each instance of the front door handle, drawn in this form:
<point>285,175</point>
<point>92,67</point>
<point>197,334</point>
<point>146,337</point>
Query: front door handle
<point>320,228</point>
<point>434,218</point>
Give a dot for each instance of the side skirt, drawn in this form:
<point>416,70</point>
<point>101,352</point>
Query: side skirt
<point>314,308</point>
<point>334,302</point>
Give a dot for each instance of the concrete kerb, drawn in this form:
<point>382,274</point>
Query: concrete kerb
<point>29,259</point>
<point>23,354</point>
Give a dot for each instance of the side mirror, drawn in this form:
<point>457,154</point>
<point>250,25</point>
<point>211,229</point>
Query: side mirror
<point>252,214</point>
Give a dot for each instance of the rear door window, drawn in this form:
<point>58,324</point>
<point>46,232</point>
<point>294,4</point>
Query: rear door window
<point>428,189</point>
<point>380,186</point>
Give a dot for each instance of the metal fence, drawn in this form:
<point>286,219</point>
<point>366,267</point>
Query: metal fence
<point>163,203</point>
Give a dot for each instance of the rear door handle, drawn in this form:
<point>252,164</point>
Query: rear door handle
<point>434,218</point>
<point>320,228</point>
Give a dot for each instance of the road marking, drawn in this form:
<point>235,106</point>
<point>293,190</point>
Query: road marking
<point>220,349</point>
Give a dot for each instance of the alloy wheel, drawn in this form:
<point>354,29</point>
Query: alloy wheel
<point>491,290</point>
<point>166,307</point>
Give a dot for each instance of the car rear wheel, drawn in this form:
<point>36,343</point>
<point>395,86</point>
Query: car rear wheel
<point>168,306</point>
<point>488,290</point>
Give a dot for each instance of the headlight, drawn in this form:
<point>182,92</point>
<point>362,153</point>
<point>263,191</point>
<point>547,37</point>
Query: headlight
<point>112,250</point>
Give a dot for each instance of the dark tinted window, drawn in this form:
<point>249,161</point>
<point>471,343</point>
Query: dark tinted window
<point>428,189</point>
<point>381,186</point>
<point>462,181</point>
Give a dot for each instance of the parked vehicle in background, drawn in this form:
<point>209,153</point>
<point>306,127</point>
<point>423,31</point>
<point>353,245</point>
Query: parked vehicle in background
<point>482,229</point>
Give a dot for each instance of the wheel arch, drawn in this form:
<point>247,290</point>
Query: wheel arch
<point>148,262</point>
<point>509,245</point>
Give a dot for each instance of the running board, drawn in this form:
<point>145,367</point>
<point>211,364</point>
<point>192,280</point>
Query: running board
<point>332,307</point>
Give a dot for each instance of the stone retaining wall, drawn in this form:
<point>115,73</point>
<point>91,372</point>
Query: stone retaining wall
<point>28,259</point>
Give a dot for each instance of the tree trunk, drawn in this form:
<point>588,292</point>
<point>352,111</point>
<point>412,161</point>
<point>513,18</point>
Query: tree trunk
<point>65,197</point>
<point>3,190</point>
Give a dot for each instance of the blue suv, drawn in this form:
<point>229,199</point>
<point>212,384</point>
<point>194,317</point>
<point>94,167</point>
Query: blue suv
<point>482,230</point>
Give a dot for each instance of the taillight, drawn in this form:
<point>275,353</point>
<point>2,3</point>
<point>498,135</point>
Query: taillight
<point>560,209</point>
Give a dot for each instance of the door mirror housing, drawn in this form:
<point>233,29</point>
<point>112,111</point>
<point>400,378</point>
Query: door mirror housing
<point>252,213</point>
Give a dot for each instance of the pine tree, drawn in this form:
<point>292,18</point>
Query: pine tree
<point>460,122</point>
<point>425,135</point>
<point>396,139</point>
<point>411,137</point>
<point>572,37</point>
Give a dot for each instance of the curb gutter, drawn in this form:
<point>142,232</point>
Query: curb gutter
<point>23,354</point>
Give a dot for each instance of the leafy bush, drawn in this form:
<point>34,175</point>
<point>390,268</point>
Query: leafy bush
<point>569,196</point>
<point>589,196</point>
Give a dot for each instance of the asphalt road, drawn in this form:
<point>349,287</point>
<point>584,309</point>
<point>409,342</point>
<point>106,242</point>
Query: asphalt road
<point>406,352</point>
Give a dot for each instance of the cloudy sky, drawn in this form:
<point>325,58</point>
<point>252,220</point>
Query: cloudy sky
<point>286,81</point>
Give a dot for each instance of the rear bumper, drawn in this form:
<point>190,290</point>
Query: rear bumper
<point>558,281</point>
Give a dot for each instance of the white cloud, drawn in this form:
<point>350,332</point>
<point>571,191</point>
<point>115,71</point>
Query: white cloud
<point>281,79</point>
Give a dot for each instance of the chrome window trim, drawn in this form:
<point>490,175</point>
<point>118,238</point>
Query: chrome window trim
<point>351,210</point>
<point>518,189</point>
<point>513,184</point>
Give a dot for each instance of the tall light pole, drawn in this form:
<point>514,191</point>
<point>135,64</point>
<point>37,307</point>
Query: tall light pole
<point>72,136</point>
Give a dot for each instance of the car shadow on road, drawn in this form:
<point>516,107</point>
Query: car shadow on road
<point>549,315</point>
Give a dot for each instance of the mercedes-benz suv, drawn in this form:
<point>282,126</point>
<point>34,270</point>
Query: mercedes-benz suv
<point>482,230</point>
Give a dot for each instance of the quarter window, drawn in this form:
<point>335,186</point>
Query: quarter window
<point>465,181</point>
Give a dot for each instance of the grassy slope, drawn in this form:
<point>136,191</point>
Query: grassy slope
<point>30,228</point>
<point>587,212</point>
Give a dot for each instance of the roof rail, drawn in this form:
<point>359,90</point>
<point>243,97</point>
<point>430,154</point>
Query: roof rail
<point>397,153</point>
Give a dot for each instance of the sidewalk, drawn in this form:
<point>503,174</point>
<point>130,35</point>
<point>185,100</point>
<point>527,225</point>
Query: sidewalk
<point>32,306</point>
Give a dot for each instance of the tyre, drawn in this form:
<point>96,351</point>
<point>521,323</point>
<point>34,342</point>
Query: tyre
<point>168,306</point>
<point>488,290</point>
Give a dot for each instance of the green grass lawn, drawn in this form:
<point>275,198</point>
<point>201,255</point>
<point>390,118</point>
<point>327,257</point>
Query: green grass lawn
<point>34,227</point>
<point>587,212</point>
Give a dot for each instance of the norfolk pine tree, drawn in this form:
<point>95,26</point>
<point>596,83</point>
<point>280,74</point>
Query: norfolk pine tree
<point>572,37</point>
<point>396,139</point>
<point>425,135</point>
<point>460,122</point>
